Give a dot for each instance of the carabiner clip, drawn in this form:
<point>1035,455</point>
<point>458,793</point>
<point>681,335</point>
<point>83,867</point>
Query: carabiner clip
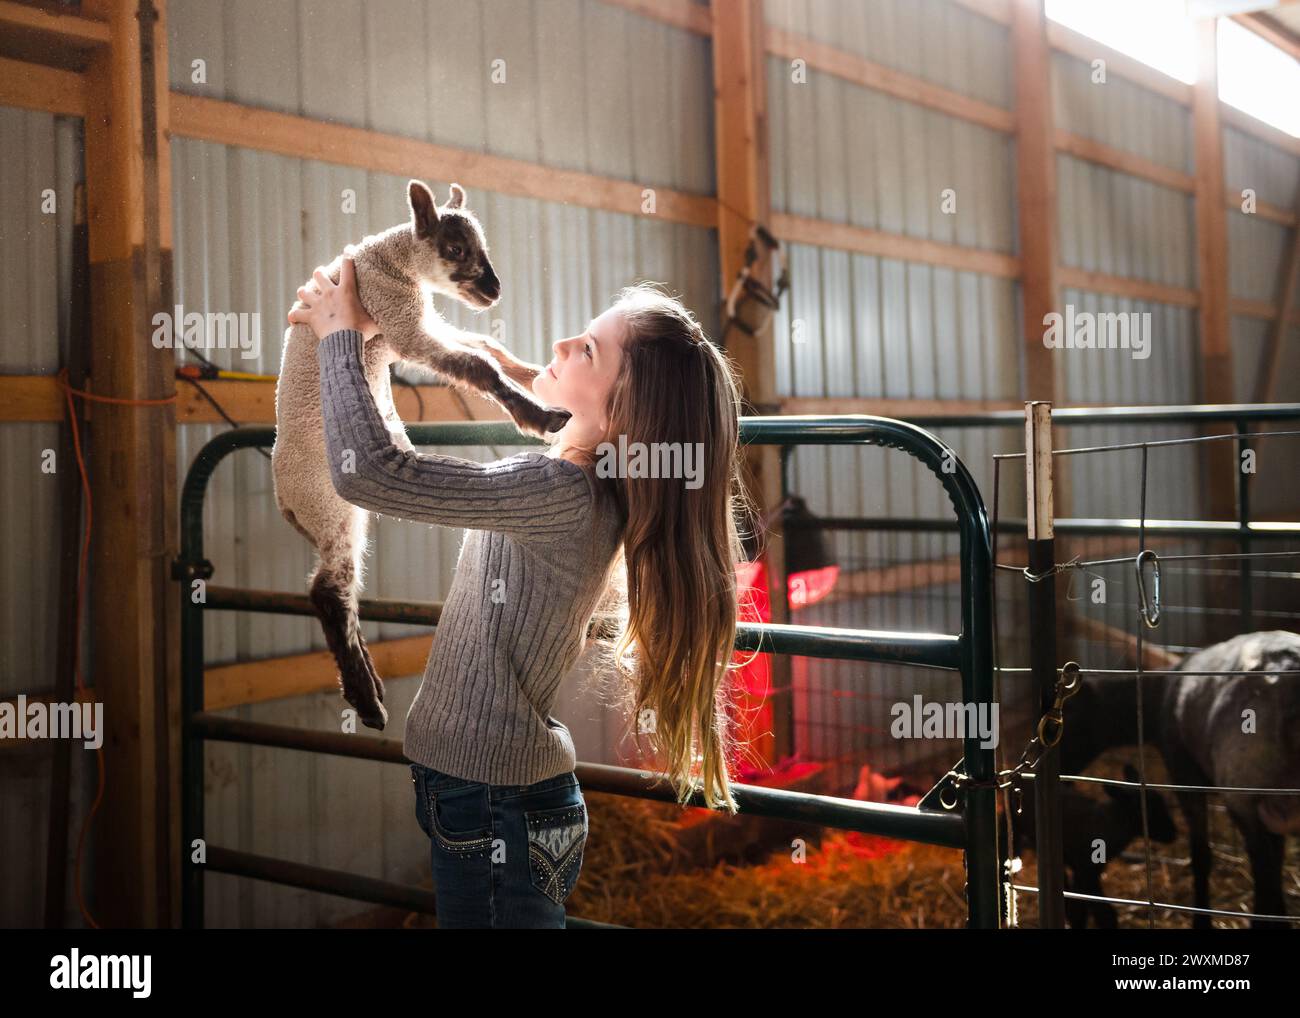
<point>1150,614</point>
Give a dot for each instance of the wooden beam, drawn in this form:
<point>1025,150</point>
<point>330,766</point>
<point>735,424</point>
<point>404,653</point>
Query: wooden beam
<point>251,402</point>
<point>900,409</point>
<point>1125,162</point>
<point>1036,196</point>
<point>50,34</point>
<point>36,87</point>
<point>30,398</point>
<point>1213,313</point>
<point>1273,213</point>
<point>1080,627</point>
<point>900,85</point>
<point>1265,309</point>
<point>39,398</point>
<point>684,14</point>
<point>1266,379</point>
<point>911,409</point>
<point>741,144</point>
<point>228,123</point>
<point>1271,31</point>
<point>1211,221</point>
<point>274,678</point>
<point>1124,286</point>
<point>744,190</point>
<point>132,466</point>
<point>861,240</point>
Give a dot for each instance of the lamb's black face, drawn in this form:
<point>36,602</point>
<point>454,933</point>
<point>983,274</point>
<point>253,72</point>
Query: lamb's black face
<point>460,246</point>
<point>451,253</point>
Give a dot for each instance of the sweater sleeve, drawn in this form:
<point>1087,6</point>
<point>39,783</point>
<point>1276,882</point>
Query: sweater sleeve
<point>531,496</point>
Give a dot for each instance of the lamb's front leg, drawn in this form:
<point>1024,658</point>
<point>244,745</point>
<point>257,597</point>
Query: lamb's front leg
<point>517,370</point>
<point>477,369</point>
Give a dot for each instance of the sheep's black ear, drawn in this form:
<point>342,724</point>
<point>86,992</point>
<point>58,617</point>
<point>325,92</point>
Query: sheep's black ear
<point>457,198</point>
<point>424,211</point>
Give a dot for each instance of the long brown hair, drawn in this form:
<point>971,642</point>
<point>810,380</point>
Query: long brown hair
<point>674,583</point>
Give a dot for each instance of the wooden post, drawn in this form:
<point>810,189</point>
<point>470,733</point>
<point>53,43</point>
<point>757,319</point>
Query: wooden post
<point>132,464</point>
<point>1037,212</point>
<point>1218,466</point>
<point>1266,380</point>
<point>1036,182</point>
<point>744,198</point>
<point>1042,658</point>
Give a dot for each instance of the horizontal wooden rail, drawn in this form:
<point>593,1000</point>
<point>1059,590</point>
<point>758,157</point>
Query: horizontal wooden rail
<point>862,240</point>
<point>29,86</point>
<point>899,84</point>
<point>51,31</point>
<point>228,123</point>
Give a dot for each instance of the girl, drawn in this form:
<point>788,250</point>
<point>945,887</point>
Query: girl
<point>551,534</point>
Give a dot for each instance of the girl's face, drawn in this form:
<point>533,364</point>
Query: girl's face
<point>581,374</point>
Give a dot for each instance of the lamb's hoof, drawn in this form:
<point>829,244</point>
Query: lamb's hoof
<point>556,419</point>
<point>373,718</point>
<point>372,714</point>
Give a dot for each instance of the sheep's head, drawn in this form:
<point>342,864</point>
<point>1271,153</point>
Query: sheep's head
<point>1160,822</point>
<point>451,253</point>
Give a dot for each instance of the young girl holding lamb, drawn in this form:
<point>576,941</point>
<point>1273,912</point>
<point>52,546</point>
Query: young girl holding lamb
<point>548,537</point>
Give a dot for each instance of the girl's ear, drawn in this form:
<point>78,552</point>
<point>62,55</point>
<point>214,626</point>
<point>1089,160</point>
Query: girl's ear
<point>424,212</point>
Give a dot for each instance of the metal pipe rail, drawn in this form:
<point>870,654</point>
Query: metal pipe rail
<point>972,826</point>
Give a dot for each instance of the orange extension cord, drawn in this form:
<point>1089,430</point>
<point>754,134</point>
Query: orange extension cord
<point>68,393</point>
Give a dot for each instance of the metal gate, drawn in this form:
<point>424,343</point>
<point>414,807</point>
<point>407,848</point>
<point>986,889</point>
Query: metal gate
<point>971,825</point>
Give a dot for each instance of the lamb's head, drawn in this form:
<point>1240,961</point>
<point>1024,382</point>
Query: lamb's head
<point>450,252</point>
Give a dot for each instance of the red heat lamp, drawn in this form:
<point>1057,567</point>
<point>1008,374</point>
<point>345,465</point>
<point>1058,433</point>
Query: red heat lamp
<point>807,585</point>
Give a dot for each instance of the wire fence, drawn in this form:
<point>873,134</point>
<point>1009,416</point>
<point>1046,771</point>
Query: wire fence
<point>1146,610</point>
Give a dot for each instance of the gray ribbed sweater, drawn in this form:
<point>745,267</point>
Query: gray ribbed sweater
<point>543,532</point>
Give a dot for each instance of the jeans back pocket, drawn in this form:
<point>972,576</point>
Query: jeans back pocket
<point>556,840</point>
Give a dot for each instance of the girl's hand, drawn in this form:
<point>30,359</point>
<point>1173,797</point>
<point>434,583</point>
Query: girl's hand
<point>328,306</point>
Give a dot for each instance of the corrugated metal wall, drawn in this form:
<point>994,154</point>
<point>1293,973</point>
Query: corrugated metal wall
<point>42,152</point>
<point>862,326</point>
<point>1257,247</point>
<point>587,87</point>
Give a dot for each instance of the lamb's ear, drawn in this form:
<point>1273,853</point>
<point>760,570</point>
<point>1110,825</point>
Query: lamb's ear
<point>424,211</point>
<point>457,198</point>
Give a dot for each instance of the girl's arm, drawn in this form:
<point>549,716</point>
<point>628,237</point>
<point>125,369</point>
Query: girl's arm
<point>529,495</point>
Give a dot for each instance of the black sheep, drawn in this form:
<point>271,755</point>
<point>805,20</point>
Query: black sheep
<point>1114,821</point>
<point>1240,730</point>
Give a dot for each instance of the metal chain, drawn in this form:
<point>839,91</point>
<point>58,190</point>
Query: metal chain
<point>1048,733</point>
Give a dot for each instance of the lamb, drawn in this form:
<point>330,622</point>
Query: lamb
<point>440,249</point>
<point>1115,822</point>
<point>1241,730</point>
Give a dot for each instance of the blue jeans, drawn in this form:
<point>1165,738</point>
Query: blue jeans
<point>504,856</point>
